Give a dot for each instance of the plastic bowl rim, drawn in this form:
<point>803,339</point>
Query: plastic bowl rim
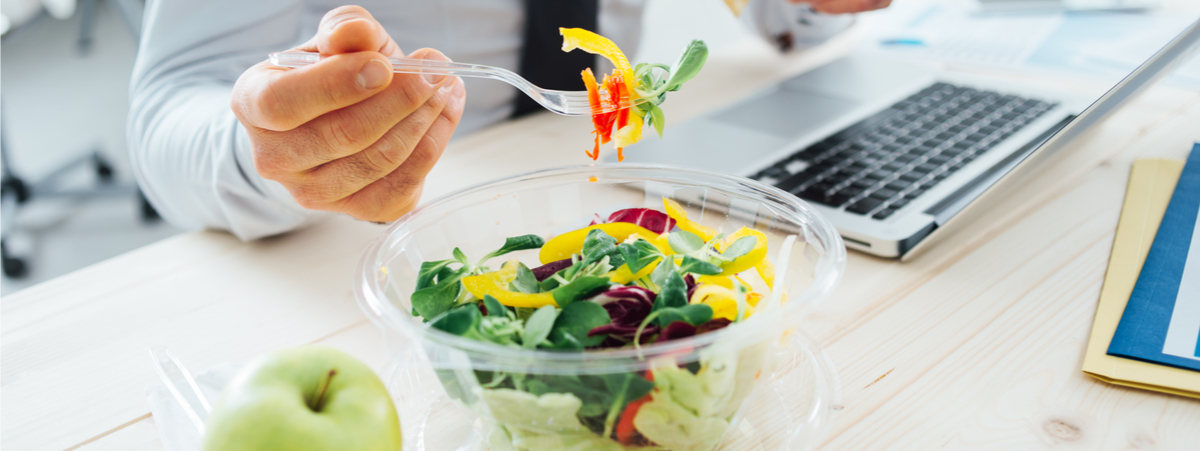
<point>828,272</point>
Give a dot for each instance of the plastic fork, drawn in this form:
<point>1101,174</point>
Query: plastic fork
<point>566,103</point>
<point>174,375</point>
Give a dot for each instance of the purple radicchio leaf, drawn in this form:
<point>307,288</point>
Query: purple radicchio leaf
<point>545,271</point>
<point>677,330</point>
<point>691,285</point>
<point>652,220</point>
<point>596,219</point>
<point>627,307</point>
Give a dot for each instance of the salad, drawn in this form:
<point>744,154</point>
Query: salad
<point>639,276</point>
<point>627,84</point>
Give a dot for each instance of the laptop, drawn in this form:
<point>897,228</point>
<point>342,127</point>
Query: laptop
<point>896,154</point>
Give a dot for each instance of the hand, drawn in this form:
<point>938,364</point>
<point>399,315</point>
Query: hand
<point>346,134</point>
<point>845,6</point>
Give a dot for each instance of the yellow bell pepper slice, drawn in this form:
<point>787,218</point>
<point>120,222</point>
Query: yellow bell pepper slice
<point>676,212</point>
<point>578,38</point>
<point>495,283</point>
<point>623,275</point>
<point>722,300</point>
<point>766,270</point>
<point>631,132</point>
<point>571,243</point>
<point>721,281</point>
<point>750,259</point>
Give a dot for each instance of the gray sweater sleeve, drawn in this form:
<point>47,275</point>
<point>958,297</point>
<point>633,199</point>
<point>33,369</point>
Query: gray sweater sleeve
<point>190,154</point>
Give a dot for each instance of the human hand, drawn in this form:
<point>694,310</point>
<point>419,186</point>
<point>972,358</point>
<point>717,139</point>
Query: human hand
<point>346,134</point>
<point>845,6</point>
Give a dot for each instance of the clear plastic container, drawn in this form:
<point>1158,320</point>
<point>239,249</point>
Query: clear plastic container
<point>758,382</point>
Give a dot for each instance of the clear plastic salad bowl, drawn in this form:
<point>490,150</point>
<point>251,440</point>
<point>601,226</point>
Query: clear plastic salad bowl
<point>757,384</point>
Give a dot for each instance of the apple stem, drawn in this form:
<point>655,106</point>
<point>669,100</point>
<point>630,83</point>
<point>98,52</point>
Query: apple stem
<point>318,401</point>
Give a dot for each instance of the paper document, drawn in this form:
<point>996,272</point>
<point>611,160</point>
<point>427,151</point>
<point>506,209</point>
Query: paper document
<point>1107,45</point>
<point>1183,333</point>
<point>1151,183</point>
<point>1163,289</point>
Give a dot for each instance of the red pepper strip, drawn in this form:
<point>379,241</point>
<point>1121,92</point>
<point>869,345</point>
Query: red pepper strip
<point>595,153</point>
<point>626,432</point>
<point>622,96</point>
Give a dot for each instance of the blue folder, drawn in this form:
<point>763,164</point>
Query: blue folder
<point>1143,328</point>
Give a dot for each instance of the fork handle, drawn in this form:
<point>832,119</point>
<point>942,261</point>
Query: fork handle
<point>403,65</point>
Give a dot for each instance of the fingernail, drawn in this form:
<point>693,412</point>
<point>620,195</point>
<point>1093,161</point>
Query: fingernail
<point>434,79</point>
<point>434,55</point>
<point>460,89</point>
<point>374,74</point>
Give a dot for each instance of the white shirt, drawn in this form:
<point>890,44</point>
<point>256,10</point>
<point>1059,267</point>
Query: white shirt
<point>191,156</point>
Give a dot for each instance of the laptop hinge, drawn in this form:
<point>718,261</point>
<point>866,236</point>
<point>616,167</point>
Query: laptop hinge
<point>958,200</point>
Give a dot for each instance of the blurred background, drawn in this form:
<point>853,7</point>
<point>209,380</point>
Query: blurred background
<point>65,67</point>
<point>64,73</point>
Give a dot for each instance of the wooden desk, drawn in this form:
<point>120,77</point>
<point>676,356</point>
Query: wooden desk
<point>977,344</point>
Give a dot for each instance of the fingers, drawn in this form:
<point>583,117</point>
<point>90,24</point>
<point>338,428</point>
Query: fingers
<point>357,170</point>
<point>283,99</point>
<point>391,197</point>
<point>350,29</point>
<point>349,130</point>
<point>848,6</point>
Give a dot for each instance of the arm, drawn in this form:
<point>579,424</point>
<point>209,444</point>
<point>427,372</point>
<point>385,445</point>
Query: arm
<point>190,154</point>
<point>220,139</point>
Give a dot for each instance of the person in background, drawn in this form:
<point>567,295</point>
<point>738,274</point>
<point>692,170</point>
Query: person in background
<point>220,139</point>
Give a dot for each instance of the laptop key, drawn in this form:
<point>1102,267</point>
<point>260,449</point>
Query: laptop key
<point>884,194</point>
<point>837,199</point>
<point>814,195</point>
<point>864,206</point>
<point>883,214</point>
<point>899,203</point>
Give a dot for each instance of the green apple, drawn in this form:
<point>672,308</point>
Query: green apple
<point>308,398</point>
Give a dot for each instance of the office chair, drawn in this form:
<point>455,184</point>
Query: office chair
<point>17,191</point>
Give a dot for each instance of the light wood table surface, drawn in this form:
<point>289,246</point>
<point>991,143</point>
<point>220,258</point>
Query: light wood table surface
<point>977,344</point>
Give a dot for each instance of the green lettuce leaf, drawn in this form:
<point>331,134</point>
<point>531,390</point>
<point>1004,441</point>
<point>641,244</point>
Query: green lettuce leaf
<point>544,423</point>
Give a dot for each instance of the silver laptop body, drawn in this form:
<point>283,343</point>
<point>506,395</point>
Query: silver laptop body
<point>894,153</point>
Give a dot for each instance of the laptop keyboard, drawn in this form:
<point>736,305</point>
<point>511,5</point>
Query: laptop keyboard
<point>877,166</point>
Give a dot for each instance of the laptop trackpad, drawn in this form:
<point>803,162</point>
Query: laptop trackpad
<point>787,113</point>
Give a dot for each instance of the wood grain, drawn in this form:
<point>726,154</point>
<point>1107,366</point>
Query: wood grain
<point>975,345</point>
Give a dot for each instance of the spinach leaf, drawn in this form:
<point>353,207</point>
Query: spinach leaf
<point>673,293</point>
<point>597,245</point>
<point>684,242</point>
<point>740,247</point>
<point>494,307</point>
<point>432,301</point>
<point>698,266</point>
<point>694,314</point>
<point>525,282</point>
<point>538,327</point>
<point>461,257</point>
<point>688,65</point>
<point>638,254</point>
<point>458,321</point>
<point>579,289</point>
<point>429,272</point>
<point>625,388</point>
<point>663,271</point>
<point>516,243</point>
<point>574,323</point>
<point>657,119</point>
